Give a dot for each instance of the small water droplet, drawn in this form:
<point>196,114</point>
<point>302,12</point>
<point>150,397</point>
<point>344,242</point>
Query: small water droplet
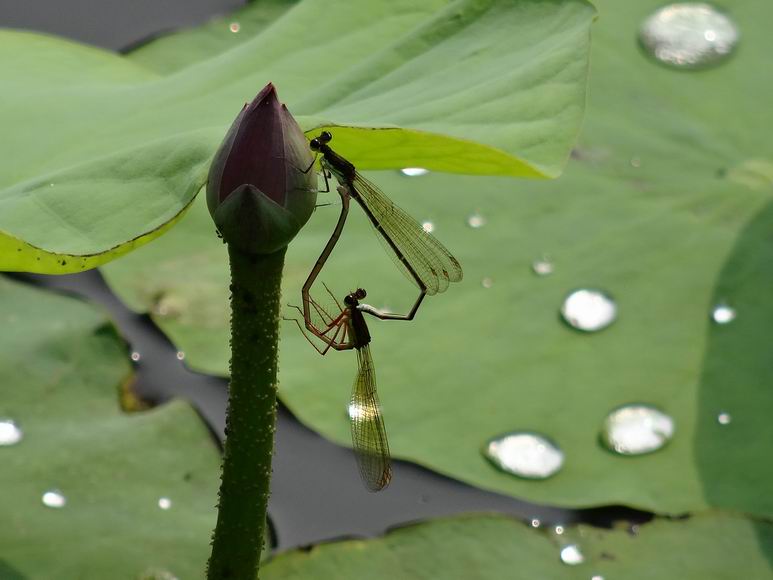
<point>724,418</point>
<point>636,429</point>
<point>542,267</point>
<point>635,162</point>
<point>597,577</point>
<point>164,503</point>
<point>525,454</point>
<point>535,523</point>
<point>154,574</point>
<point>54,498</point>
<point>589,310</point>
<point>572,555</point>
<point>180,355</point>
<point>559,530</point>
<point>723,314</point>
<point>414,171</point>
<point>487,282</point>
<point>10,433</point>
<point>50,185</point>
<point>234,27</point>
<point>476,221</point>
<point>689,35</point>
<point>428,226</point>
<point>136,356</point>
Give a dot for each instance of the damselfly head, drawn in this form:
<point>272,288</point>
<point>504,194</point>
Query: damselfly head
<point>317,143</point>
<point>354,298</point>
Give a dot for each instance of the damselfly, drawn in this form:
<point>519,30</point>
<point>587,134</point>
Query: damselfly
<point>417,253</point>
<point>345,329</point>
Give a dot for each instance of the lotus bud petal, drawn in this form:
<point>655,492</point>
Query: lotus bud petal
<point>261,188</point>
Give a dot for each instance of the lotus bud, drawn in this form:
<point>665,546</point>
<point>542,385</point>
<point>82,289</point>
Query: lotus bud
<point>261,188</point>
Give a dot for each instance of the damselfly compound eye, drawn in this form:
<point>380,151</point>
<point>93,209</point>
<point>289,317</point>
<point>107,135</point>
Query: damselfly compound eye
<point>325,136</point>
<point>314,144</point>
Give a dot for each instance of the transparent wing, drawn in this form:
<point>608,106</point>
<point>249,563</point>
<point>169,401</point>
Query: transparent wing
<point>368,433</point>
<point>431,261</point>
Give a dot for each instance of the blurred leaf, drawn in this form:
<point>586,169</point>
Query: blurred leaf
<point>660,206</point>
<point>126,149</point>
<point>62,367</point>
<point>484,547</point>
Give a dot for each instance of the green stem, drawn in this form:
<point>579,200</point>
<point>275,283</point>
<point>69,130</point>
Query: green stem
<point>251,416</point>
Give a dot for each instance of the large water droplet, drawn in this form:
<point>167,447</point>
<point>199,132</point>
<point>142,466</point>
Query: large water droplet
<point>723,314</point>
<point>10,433</point>
<point>689,35</point>
<point>414,171</point>
<point>54,498</point>
<point>724,418</point>
<point>572,555</point>
<point>589,310</point>
<point>164,503</point>
<point>428,226</point>
<point>476,221</point>
<point>637,429</point>
<point>525,454</point>
<point>597,577</point>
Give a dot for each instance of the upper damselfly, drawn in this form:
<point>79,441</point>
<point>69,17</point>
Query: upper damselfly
<point>418,253</point>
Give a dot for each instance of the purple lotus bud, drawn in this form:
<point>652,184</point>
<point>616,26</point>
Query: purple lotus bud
<point>261,190</point>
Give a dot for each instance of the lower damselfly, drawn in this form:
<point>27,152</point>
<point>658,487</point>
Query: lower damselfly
<point>346,329</point>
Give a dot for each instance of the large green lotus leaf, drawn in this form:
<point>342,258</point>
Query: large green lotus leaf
<point>171,52</point>
<point>720,547</point>
<point>62,367</point>
<point>666,205</point>
<point>126,149</point>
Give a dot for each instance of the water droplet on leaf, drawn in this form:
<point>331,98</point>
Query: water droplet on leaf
<point>476,221</point>
<point>572,555</point>
<point>525,454</point>
<point>589,310</point>
<point>542,267</point>
<point>637,429</point>
<point>10,433</point>
<point>428,226</point>
<point>414,171</point>
<point>234,27</point>
<point>723,314</point>
<point>724,418</point>
<point>164,503</point>
<point>487,282</point>
<point>689,35</point>
<point>54,498</point>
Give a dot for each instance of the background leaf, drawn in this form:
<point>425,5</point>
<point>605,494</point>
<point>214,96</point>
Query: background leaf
<point>483,547</point>
<point>63,368</point>
<point>666,205</point>
<point>438,70</point>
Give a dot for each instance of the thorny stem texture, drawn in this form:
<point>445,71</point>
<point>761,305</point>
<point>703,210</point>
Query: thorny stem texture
<point>251,416</point>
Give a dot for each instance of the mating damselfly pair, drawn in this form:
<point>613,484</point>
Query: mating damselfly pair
<point>426,262</point>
